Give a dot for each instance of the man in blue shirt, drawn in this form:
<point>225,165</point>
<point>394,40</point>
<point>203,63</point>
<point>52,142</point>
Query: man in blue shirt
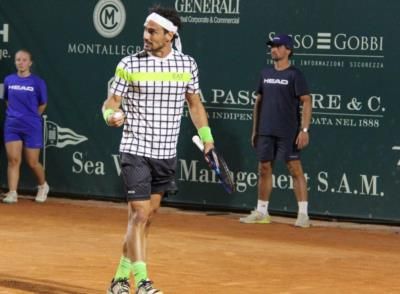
<point>279,130</point>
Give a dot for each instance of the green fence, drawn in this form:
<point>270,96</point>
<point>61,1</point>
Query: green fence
<point>347,50</point>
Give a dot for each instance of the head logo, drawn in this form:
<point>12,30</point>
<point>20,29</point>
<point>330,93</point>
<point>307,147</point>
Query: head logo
<point>276,81</point>
<point>109,17</point>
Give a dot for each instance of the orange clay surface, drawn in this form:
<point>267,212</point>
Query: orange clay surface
<point>70,246</point>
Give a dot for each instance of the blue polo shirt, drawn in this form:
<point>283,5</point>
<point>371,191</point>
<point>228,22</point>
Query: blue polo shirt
<point>280,104</point>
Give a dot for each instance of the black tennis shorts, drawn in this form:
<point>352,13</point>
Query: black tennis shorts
<point>270,148</point>
<point>143,176</point>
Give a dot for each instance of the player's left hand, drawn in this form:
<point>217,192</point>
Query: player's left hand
<point>302,140</point>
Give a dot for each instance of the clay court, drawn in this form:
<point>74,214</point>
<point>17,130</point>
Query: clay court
<point>68,246</point>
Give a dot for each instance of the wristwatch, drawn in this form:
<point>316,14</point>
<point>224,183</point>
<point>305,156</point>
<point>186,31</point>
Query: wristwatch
<point>305,130</point>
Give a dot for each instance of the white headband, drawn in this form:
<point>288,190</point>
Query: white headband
<point>166,24</point>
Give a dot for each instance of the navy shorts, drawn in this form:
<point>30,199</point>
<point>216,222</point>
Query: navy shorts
<point>29,132</point>
<point>143,176</point>
<point>270,148</point>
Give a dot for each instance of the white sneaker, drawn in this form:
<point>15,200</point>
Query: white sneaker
<point>302,221</point>
<point>41,195</point>
<point>11,197</point>
<point>256,217</point>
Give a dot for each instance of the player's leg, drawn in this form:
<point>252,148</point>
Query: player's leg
<point>133,259</point>
<point>137,185</point>
<point>14,156</point>
<point>136,237</point>
<point>136,173</point>
<point>163,180</point>
<point>265,149</point>
<point>300,190</point>
<point>155,203</point>
<point>139,266</point>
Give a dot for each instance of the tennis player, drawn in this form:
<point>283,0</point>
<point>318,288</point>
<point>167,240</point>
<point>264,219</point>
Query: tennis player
<point>153,86</point>
<point>279,130</point>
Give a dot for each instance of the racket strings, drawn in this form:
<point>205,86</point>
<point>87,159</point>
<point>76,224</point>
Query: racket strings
<point>218,164</point>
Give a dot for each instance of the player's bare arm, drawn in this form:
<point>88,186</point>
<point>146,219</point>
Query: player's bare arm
<point>42,108</point>
<point>198,115</point>
<point>303,137</point>
<point>256,112</point>
<point>111,111</point>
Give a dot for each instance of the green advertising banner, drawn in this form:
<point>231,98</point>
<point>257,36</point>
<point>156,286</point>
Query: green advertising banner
<point>346,49</point>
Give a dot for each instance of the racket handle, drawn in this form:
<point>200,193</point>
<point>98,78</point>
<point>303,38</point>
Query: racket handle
<point>196,140</point>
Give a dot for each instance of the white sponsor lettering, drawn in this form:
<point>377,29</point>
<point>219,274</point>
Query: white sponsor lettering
<point>338,41</point>
<point>101,49</point>
<point>397,148</point>
<point>276,81</point>
<point>5,32</point>
<point>362,43</point>
<point>208,6</point>
<point>362,184</point>
<point>116,159</point>
<point>359,184</point>
<point>89,167</point>
<point>21,88</point>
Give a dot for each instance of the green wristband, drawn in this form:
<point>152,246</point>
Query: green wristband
<point>107,113</point>
<point>205,135</point>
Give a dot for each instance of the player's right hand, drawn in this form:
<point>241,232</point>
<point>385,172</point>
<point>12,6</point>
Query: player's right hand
<point>116,119</point>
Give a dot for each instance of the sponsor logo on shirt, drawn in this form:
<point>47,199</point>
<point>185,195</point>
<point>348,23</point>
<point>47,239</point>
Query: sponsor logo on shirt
<point>21,88</point>
<point>276,81</point>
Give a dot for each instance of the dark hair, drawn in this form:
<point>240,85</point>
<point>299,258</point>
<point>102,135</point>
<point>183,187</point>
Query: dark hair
<point>169,13</point>
<point>291,51</point>
<point>25,51</point>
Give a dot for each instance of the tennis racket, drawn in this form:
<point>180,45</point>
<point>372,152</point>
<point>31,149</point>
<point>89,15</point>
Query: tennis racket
<point>217,164</point>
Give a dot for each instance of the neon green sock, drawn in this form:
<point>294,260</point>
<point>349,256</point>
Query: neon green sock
<point>139,269</point>
<point>124,269</point>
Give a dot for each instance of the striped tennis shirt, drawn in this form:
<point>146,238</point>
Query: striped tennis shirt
<point>153,91</point>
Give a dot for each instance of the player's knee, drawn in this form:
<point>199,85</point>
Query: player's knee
<point>265,169</point>
<point>140,216</point>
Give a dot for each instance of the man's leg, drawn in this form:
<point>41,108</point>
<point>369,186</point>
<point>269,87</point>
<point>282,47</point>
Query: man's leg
<point>138,181</point>
<point>261,215</point>
<point>300,190</point>
<point>133,259</point>
<point>138,230</point>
